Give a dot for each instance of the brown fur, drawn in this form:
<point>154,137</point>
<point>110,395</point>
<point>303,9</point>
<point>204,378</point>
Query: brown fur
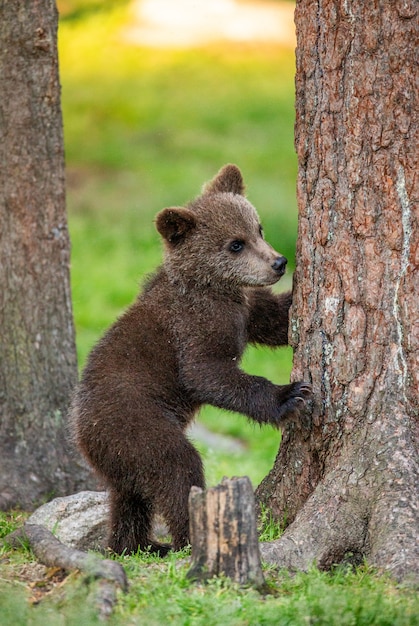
<point>176,348</point>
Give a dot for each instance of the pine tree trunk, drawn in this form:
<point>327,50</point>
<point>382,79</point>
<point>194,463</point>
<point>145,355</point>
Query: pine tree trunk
<point>37,350</point>
<point>348,478</point>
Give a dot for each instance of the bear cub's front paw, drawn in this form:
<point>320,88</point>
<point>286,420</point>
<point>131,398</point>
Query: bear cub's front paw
<point>292,400</point>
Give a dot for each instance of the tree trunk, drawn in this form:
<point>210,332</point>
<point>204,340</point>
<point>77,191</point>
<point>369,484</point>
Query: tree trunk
<point>37,350</point>
<point>348,477</point>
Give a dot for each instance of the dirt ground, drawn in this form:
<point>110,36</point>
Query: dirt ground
<point>38,580</point>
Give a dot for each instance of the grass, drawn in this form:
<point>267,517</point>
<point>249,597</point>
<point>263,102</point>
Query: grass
<point>270,528</point>
<point>143,130</point>
<point>160,592</point>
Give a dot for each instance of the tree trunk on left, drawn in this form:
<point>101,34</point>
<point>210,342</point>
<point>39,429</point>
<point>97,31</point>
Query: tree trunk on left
<point>38,365</point>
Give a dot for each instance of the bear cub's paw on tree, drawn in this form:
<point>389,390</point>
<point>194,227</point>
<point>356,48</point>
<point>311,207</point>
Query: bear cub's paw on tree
<point>179,347</point>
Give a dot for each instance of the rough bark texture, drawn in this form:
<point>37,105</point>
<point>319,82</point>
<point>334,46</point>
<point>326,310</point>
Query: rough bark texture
<point>348,478</point>
<point>223,533</point>
<point>37,350</point>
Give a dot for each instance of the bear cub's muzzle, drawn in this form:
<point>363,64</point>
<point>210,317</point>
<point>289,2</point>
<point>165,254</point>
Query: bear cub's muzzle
<point>279,265</point>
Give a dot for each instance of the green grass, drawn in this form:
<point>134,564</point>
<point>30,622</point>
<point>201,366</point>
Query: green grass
<point>160,593</point>
<point>269,528</point>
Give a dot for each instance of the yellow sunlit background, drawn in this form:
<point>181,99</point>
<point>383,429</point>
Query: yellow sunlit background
<point>163,23</point>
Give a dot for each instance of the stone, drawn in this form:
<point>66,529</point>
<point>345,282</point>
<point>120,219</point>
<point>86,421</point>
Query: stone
<point>79,521</point>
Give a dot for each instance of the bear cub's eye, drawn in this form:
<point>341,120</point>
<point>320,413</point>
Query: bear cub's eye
<point>236,246</point>
<point>260,230</point>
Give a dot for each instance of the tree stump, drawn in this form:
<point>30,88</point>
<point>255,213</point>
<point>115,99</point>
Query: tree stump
<point>223,533</point>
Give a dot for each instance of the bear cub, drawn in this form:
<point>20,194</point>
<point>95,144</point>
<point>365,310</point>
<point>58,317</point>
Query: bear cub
<point>179,347</point>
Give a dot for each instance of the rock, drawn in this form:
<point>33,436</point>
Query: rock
<point>79,521</point>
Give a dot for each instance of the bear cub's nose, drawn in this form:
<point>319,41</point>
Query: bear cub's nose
<point>279,265</point>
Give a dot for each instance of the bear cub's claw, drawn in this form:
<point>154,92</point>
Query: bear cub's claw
<point>293,399</point>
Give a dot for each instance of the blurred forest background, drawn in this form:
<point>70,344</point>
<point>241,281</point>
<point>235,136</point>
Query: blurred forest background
<point>153,105</point>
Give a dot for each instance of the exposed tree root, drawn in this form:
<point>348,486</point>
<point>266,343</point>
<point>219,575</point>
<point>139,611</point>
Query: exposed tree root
<point>110,575</point>
<point>355,514</point>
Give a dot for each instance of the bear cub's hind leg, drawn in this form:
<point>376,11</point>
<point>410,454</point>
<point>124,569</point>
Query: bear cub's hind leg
<point>176,467</point>
<point>184,465</point>
<point>130,525</point>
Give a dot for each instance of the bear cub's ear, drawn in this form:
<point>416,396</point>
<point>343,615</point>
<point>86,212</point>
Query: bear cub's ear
<point>175,223</point>
<point>228,180</point>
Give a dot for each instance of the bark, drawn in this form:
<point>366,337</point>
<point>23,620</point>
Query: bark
<point>347,478</point>
<point>224,534</point>
<point>37,350</point>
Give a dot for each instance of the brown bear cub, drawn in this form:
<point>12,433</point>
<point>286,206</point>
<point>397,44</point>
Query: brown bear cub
<point>179,347</point>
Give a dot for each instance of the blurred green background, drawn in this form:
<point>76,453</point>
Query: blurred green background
<point>144,129</point>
